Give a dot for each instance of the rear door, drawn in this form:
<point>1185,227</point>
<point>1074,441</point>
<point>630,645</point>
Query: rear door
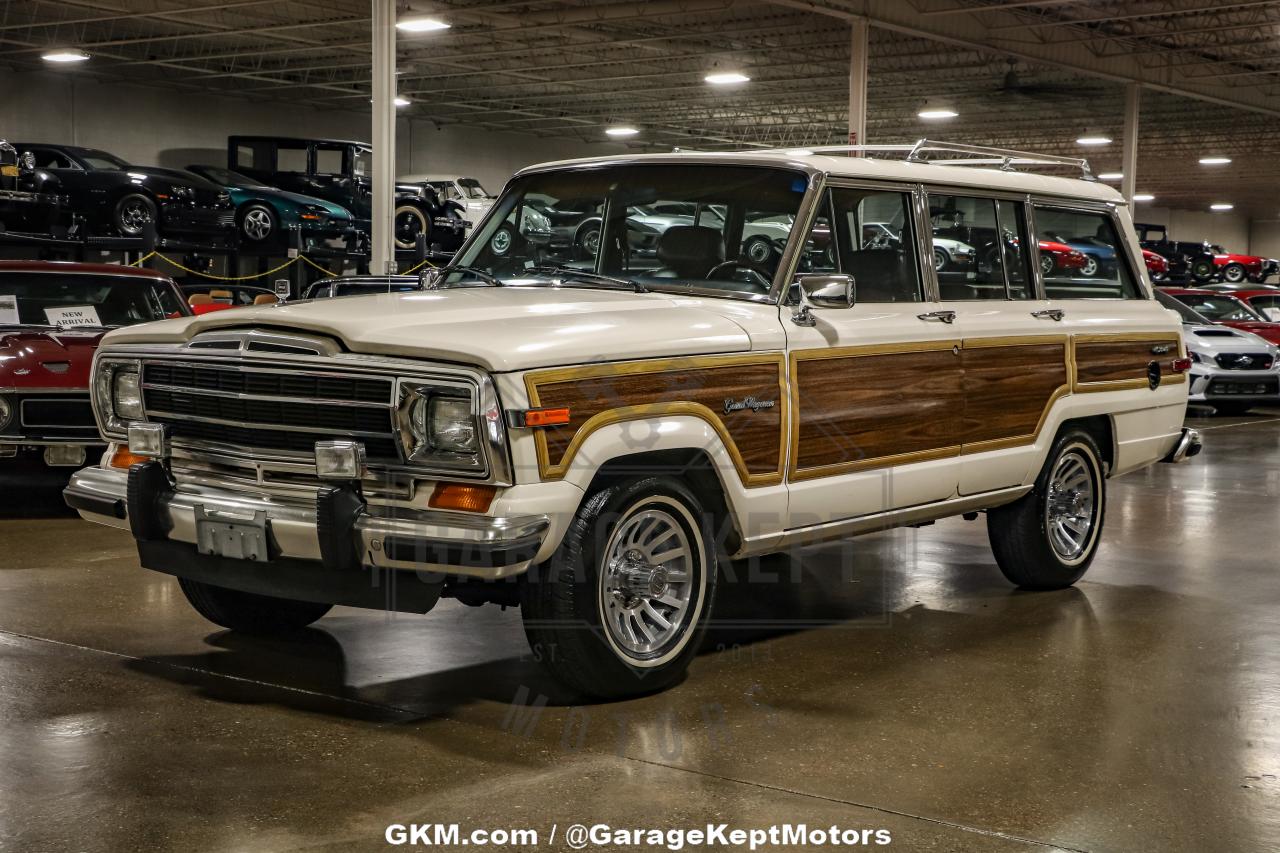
<point>1014,363</point>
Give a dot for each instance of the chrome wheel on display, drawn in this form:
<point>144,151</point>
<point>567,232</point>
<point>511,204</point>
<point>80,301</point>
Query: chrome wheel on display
<point>1070,506</point>
<point>1046,264</point>
<point>133,213</point>
<point>257,224</point>
<point>647,584</point>
<point>1090,268</point>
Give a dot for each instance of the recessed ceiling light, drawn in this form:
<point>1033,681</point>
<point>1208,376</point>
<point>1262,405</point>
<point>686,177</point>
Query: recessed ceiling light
<point>1221,205</point>
<point>421,25</point>
<point>727,78</point>
<point>65,55</point>
<point>621,131</point>
<point>801,152</point>
<point>1092,137</point>
<point>1111,176</point>
<point>934,111</point>
<point>1143,197</point>
<point>402,102</point>
<point>1214,161</point>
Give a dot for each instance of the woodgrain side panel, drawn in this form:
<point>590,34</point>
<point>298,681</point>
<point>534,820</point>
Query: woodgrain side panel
<point>1008,389</point>
<point>861,409</point>
<point>698,387</point>
<point>1119,362</point>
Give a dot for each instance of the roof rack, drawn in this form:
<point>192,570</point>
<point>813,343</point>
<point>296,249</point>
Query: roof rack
<point>1006,159</point>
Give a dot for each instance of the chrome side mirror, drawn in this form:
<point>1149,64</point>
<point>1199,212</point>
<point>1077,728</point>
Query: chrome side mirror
<point>821,290</point>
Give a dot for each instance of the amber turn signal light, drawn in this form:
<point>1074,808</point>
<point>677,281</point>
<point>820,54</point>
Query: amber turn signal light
<point>545,417</point>
<point>122,458</point>
<point>462,496</point>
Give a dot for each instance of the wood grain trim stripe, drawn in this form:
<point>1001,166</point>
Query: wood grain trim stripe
<point>536,381</point>
<point>1120,360</point>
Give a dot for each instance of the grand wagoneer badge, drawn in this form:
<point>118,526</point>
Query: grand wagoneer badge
<point>731,405</point>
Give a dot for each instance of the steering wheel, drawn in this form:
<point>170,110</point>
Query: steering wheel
<point>762,275</point>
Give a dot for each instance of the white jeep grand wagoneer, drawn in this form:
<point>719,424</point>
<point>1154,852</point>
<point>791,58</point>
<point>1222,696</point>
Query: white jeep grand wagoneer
<point>587,430</point>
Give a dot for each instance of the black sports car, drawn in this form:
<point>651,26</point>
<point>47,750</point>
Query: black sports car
<point>116,197</point>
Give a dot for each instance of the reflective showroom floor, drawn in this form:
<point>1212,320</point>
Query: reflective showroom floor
<point>917,692</point>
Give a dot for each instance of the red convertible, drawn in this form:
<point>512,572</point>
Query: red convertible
<point>52,316</point>
<point>1225,309</point>
<point>1236,268</point>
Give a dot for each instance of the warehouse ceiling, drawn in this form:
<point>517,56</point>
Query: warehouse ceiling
<point>1020,73</point>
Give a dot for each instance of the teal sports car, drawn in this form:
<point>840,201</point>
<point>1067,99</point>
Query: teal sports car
<point>264,215</point>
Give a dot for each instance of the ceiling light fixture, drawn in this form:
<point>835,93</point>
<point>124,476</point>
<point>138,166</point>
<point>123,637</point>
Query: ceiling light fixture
<point>726,78</point>
<point>65,55</point>
<point>402,102</point>
<point>421,25</point>
<point>1221,206</point>
<point>1214,161</point>
<point>621,131</point>
<point>934,111</point>
<point>1111,176</point>
<point>1093,137</point>
<point>1143,197</point>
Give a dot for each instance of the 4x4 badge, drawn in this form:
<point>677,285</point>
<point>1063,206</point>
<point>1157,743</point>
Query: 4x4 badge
<point>731,405</point>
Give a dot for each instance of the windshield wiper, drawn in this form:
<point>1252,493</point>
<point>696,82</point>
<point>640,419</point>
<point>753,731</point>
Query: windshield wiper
<point>486,277</point>
<point>592,277</point>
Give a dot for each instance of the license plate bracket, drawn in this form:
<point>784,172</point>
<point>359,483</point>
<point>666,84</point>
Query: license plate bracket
<point>235,536</point>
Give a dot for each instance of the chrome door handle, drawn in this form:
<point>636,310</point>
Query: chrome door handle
<point>941,316</point>
<point>1055,314</point>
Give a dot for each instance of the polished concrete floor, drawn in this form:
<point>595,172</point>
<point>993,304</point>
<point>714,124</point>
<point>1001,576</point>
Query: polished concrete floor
<point>898,683</point>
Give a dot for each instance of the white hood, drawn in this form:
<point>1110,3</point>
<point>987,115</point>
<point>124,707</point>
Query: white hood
<point>1211,340</point>
<point>502,329</point>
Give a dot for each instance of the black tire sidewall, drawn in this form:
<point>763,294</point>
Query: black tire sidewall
<point>581,652</point>
<point>423,218</point>
<point>120,202</point>
<point>244,214</point>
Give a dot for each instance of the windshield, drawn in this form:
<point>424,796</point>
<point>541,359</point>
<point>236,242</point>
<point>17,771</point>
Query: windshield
<point>1219,308</point>
<point>1188,316</point>
<point>663,227</point>
<point>471,188</point>
<point>361,162</point>
<point>50,299</point>
<point>102,160</point>
<point>1268,305</point>
<point>228,178</point>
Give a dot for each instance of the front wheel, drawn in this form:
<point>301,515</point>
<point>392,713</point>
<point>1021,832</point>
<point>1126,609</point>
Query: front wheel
<point>1090,268</point>
<point>1234,273</point>
<point>250,612</point>
<point>257,223</point>
<point>1047,538</point>
<point>621,607</point>
<point>1046,265</point>
<point>1202,270</point>
<point>132,214</point>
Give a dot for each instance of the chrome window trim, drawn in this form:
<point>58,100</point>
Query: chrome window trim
<point>1110,210</point>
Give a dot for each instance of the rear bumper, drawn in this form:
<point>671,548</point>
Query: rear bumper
<point>323,533</point>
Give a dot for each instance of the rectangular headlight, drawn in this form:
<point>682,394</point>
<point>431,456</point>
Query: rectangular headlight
<point>126,395</point>
<point>450,425</point>
<point>108,383</point>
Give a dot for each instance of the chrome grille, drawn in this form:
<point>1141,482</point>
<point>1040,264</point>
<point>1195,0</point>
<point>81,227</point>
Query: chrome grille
<point>249,408</point>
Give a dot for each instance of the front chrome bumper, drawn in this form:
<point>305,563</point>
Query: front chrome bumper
<point>445,543</point>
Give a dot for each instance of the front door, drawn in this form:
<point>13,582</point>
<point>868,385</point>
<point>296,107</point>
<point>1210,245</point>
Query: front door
<point>876,389</point>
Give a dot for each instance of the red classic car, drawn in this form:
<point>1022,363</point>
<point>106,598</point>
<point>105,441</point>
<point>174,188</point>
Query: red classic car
<point>1059,258</point>
<point>1225,309</point>
<point>1235,268</point>
<point>1156,263</point>
<point>52,316</point>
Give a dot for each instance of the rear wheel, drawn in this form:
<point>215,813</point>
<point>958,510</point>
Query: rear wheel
<point>621,607</point>
<point>1047,538</point>
<point>1046,264</point>
<point>410,221</point>
<point>940,258</point>
<point>586,245</point>
<point>249,612</point>
<point>1202,270</point>
<point>1090,268</point>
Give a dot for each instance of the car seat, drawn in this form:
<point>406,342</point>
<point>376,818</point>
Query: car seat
<point>689,251</point>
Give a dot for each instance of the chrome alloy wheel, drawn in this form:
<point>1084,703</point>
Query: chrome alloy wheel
<point>1090,268</point>
<point>1071,506</point>
<point>257,224</point>
<point>652,582</point>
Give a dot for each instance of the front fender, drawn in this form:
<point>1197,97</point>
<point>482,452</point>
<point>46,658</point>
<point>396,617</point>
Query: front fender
<point>757,510</point>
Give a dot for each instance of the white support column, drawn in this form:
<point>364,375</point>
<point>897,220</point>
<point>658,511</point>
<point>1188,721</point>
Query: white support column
<point>1129,166</point>
<point>858,45</point>
<point>382,236</point>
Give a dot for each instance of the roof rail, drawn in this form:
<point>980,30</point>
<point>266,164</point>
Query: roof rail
<point>1006,159</point>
